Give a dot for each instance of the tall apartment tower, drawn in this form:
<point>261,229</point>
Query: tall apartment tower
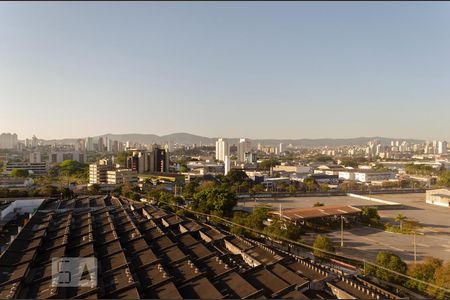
<point>227,166</point>
<point>222,149</point>
<point>244,146</point>
<point>442,147</point>
<point>89,144</point>
<point>8,141</point>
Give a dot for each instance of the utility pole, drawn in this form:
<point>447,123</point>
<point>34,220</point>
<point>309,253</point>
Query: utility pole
<point>342,231</point>
<point>415,249</point>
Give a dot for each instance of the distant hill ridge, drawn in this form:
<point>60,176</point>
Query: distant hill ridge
<point>187,138</point>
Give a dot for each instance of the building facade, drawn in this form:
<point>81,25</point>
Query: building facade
<point>222,149</point>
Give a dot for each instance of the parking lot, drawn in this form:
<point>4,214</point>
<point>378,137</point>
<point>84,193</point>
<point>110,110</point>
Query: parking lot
<point>366,242</point>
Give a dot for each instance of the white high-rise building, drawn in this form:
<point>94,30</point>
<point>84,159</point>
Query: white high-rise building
<point>222,149</point>
<point>227,163</point>
<point>281,150</point>
<point>442,147</point>
<point>244,146</point>
<point>8,141</point>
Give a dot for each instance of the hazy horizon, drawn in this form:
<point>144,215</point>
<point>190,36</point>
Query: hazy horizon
<point>263,70</point>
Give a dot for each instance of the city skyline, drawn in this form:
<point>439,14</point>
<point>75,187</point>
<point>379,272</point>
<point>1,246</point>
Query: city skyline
<point>261,70</point>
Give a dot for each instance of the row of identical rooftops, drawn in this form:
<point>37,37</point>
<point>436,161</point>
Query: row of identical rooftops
<point>146,252</point>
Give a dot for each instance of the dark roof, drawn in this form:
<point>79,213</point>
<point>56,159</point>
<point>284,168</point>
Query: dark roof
<point>139,257</point>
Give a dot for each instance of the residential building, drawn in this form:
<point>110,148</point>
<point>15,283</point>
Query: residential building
<point>222,149</point>
<point>98,172</point>
<point>58,157</point>
<point>244,146</point>
<point>227,163</point>
<point>442,147</point>
<point>89,144</point>
<point>35,157</point>
<point>8,141</point>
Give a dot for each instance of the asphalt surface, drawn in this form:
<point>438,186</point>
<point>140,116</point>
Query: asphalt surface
<point>366,242</point>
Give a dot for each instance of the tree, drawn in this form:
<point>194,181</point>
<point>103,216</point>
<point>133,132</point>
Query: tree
<point>121,157</point>
<point>257,188</point>
<point>189,189</point>
<point>292,189</point>
<point>445,178</point>
<point>284,229</point>
<point>19,173</point>
<point>442,279</point>
<point>317,204</point>
<point>389,261</point>
<point>184,169</point>
<point>215,200</point>
<point>310,184</point>
<point>369,215</point>
<point>400,218</point>
<point>349,162</point>
<point>324,187</point>
<point>423,271</point>
<point>268,163</point>
<point>322,243</point>
<point>236,176</point>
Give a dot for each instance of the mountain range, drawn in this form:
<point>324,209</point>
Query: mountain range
<point>189,139</point>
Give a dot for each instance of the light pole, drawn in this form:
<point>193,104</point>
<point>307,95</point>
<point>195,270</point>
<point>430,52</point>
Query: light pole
<point>415,249</point>
<point>342,231</point>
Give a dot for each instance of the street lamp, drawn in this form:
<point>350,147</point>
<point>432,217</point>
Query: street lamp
<point>342,231</point>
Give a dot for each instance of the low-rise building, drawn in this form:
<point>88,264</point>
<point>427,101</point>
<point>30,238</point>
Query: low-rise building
<point>440,197</point>
<point>32,168</point>
<point>121,176</point>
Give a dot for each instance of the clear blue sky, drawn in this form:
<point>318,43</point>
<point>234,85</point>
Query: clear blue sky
<point>260,70</point>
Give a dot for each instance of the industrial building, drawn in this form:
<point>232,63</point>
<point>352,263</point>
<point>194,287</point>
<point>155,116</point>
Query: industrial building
<point>440,197</point>
<point>146,252</point>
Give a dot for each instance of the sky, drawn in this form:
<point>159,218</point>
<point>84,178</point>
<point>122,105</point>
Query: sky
<point>232,69</point>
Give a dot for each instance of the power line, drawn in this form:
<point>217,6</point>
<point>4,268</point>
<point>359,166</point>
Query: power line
<point>347,258</point>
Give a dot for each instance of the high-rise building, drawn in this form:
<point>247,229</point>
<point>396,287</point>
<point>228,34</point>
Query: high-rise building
<point>222,149</point>
<point>227,163</point>
<point>281,148</point>
<point>98,171</point>
<point>8,141</point>
<point>156,160</point>
<point>244,146</point>
<point>34,141</point>
<point>442,147</point>
<point>89,144</point>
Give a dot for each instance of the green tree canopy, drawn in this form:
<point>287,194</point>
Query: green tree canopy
<point>442,279</point>
<point>214,200</point>
<point>235,176</point>
<point>369,215</point>
<point>268,163</point>
<point>423,271</point>
<point>389,261</point>
<point>323,243</point>
<point>73,168</point>
<point>444,179</point>
<point>19,173</point>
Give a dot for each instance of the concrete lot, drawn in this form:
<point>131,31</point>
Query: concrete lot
<point>366,242</point>
<point>305,202</point>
